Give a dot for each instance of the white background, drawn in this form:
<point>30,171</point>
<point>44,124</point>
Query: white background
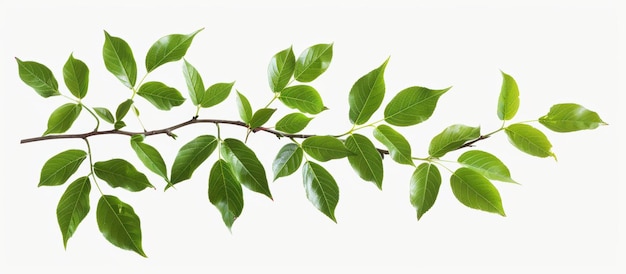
<point>566,215</point>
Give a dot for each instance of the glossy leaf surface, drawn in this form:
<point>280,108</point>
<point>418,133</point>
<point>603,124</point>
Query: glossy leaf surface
<point>287,161</point>
<point>425,183</point>
<point>412,106</point>
<point>303,98</point>
<point>168,48</point>
<point>191,156</point>
<point>529,140</point>
<point>508,102</point>
<point>399,148</point>
<point>121,173</point>
<point>39,77</point>
<point>63,118</point>
<point>160,95</point>
<point>261,116</point>
<point>486,164</point>
<point>149,156</point>
<point>293,122</point>
<point>246,166</point>
<point>76,76</point>
<point>325,148</point>
<point>225,192</point>
<point>367,95</point>
<point>321,188</point>
<point>105,114</point>
<point>475,191</point>
<point>119,224</point>
<point>365,160</point>
<point>195,86</point>
<point>119,60</point>
<point>244,108</point>
<point>451,139</point>
<point>73,207</point>
<point>281,69</point>
<point>216,94</point>
<point>570,117</point>
<point>123,109</point>
<point>60,167</point>
<point>312,62</point>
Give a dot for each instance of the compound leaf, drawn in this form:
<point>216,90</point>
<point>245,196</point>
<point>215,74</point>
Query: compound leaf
<point>59,168</point>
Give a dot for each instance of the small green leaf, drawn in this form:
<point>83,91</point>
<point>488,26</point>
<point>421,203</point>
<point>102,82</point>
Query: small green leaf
<point>313,61</point>
<point>169,48</point>
<point>280,69</point>
<point>303,98</point>
<point>367,95</point>
<point>475,191</point>
<point>119,224</point>
<point>412,106</point>
<point>399,148</point>
<point>76,76</point>
<point>73,207</point>
<point>119,60</point>
<point>62,118</point>
<point>245,110</point>
<point>149,156</point>
<point>225,192</point>
<point>105,114</point>
<point>425,183</point>
<point>529,140</point>
<point>191,156</point>
<point>122,109</point>
<point>570,117</point>
<point>287,160</point>
<point>508,102</point>
<point>160,95</point>
<point>321,188</point>
<point>486,164</point>
<point>61,167</point>
<point>293,122</point>
<point>216,94</point>
<point>451,139</point>
<point>366,160</point>
<point>120,173</point>
<point>246,166</point>
<point>39,77</point>
<point>260,117</point>
<point>194,83</point>
<point>119,124</point>
<point>325,148</point>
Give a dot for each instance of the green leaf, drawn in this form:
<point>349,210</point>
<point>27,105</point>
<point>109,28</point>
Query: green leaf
<point>120,173</point>
<point>303,98</point>
<point>529,140</point>
<point>76,76</point>
<point>191,156</point>
<point>73,207</point>
<point>425,183</point>
<point>486,164</point>
<point>39,77</point>
<point>245,110</point>
<point>508,102</point>
<point>246,166</point>
<point>399,148</point>
<point>412,106</point>
<point>119,124</point>
<point>194,83</point>
<point>367,95</point>
<point>225,192</point>
<point>321,188</point>
<point>287,160</point>
<point>62,118</point>
<point>169,48</point>
<point>313,61</point>
<point>325,148</point>
<point>105,114</point>
<point>61,167</point>
<point>119,224</point>
<point>475,191</point>
<point>119,60</point>
<point>366,160</point>
<point>149,156</point>
<point>160,95</point>
<point>216,94</point>
<point>280,69</point>
<point>451,139</point>
<point>293,122</point>
<point>570,117</point>
<point>260,117</point>
<point>122,109</point>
